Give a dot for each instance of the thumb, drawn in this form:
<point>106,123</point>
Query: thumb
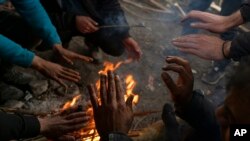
<point>200,25</point>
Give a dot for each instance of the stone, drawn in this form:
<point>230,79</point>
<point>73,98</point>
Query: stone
<point>53,84</point>
<point>38,87</point>
<point>9,93</point>
<point>73,89</point>
<point>15,104</point>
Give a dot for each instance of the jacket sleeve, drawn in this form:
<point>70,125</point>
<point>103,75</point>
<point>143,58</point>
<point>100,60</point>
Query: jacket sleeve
<point>35,15</point>
<point>245,8</point>
<point>240,46</point>
<point>14,53</point>
<point>14,126</point>
<point>200,114</point>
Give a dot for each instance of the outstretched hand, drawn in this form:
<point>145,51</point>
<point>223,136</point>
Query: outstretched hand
<point>181,89</point>
<point>203,46</point>
<point>133,48</point>
<point>70,56</point>
<point>113,114</point>
<point>57,127</point>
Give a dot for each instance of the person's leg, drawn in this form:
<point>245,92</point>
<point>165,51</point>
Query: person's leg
<point>110,39</point>
<point>201,5</point>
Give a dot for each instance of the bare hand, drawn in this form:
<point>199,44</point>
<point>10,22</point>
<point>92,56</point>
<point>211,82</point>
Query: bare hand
<point>57,127</point>
<point>70,56</point>
<point>86,24</point>
<point>204,46</point>
<point>114,114</point>
<point>134,50</point>
<point>55,71</point>
<point>181,90</point>
<point>208,21</point>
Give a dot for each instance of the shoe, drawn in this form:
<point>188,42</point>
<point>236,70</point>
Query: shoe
<point>95,53</point>
<point>8,92</point>
<point>15,78</point>
<point>213,76</point>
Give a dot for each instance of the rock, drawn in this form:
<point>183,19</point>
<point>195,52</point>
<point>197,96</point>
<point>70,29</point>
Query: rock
<point>73,89</point>
<point>28,96</point>
<point>38,87</point>
<point>15,104</point>
<point>53,84</point>
<point>9,93</point>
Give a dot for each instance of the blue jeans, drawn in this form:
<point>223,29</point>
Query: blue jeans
<point>228,7</point>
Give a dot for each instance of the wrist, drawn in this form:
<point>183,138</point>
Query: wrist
<point>38,63</point>
<point>234,20</point>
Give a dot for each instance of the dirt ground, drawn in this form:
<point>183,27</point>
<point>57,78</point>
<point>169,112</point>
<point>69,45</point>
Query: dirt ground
<point>155,41</point>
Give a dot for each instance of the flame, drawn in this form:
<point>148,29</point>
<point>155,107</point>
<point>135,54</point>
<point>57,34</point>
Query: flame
<point>90,133</point>
<point>71,103</point>
<point>131,83</point>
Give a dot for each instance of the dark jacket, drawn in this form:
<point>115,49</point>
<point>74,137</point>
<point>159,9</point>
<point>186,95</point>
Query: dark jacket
<point>16,126</point>
<point>240,46</point>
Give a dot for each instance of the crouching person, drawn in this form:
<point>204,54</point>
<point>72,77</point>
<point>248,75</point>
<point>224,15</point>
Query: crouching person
<point>88,18</point>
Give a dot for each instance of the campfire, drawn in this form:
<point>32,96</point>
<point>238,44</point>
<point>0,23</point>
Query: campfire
<point>90,133</point>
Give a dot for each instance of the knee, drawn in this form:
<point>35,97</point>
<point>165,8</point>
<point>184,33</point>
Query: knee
<point>113,47</point>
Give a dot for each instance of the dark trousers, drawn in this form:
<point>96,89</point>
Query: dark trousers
<point>108,39</point>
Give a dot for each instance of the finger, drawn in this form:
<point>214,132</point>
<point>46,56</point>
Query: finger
<point>93,22</point>
<point>83,58</point>
<point>178,69</point>
<point>69,78</point>
<point>60,82</point>
<point>120,91</point>
<point>103,90</point>
<point>77,76</point>
<point>81,120</point>
<point>194,14</point>
<point>92,27</point>
<point>169,82</point>
<point>68,60</point>
<point>111,89</point>
<point>71,71</point>
<point>72,128</point>
<point>185,44</point>
<point>179,61</point>
<point>93,96</point>
<point>200,25</point>
<point>129,102</point>
<point>76,115</point>
<point>194,52</point>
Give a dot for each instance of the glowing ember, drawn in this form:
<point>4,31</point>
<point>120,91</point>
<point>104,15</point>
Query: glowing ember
<point>69,104</point>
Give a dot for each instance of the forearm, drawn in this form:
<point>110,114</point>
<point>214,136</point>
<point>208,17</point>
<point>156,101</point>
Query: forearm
<point>35,15</point>
<point>14,126</point>
<point>234,20</point>
<point>200,114</point>
<point>14,53</point>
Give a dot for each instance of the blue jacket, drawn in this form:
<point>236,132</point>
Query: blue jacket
<point>35,15</point>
